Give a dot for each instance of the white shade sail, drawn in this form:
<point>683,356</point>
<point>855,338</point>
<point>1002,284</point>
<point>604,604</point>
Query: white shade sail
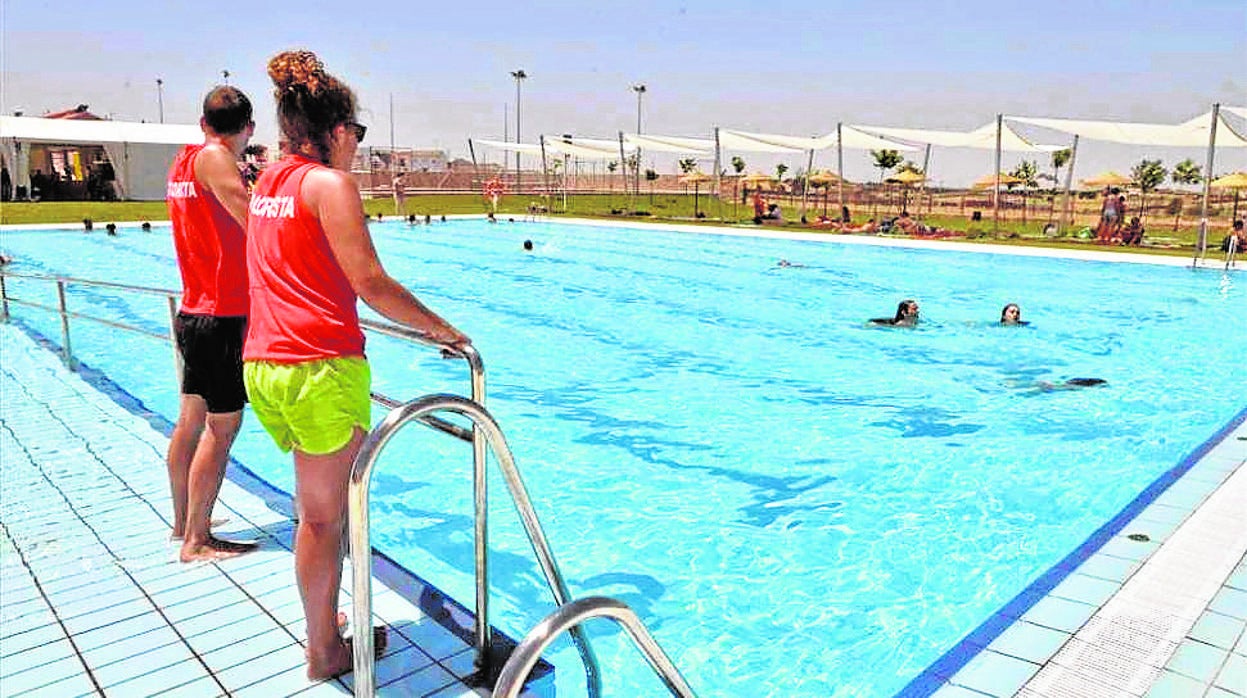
<point>1191,134</point>
<point>39,130</point>
<point>768,142</point>
<point>525,148</point>
<point>670,144</point>
<point>983,138</point>
<point>860,140</point>
<point>587,148</point>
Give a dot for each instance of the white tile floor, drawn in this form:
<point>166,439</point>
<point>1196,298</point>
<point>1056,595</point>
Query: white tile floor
<point>92,598</point>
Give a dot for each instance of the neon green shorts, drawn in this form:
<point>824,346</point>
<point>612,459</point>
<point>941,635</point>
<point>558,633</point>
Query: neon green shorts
<point>313,406</point>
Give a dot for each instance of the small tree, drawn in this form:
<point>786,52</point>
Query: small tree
<point>909,166</point>
<point>780,169</point>
<point>885,160</point>
<point>1059,159</point>
<point>1147,175</point>
<point>687,165</point>
<point>1185,172</point>
<point>1026,171</point>
<point>651,176</point>
<point>738,164</point>
<point>611,167</point>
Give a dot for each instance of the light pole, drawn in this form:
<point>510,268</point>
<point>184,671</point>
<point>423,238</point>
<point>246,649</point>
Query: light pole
<point>519,76</point>
<point>160,98</point>
<point>639,89</point>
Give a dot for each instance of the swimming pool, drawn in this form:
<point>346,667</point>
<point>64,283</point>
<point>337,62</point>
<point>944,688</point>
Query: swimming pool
<point>795,503</point>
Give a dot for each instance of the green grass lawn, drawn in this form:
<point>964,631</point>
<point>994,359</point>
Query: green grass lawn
<point>654,207</point>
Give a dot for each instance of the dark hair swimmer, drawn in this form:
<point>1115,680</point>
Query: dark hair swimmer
<point>906,315</point>
<point>1011,314</point>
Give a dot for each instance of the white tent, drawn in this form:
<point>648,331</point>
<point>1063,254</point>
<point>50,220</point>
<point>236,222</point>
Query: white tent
<point>140,153</point>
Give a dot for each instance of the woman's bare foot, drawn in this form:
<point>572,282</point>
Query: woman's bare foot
<point>213,549</point>
<point>214,523</point>
<point>341,659</point>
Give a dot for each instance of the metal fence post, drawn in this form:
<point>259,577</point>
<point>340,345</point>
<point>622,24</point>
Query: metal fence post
<point>67,351</point>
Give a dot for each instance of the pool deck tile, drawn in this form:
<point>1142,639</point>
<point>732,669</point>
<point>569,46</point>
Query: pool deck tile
<point>93,600</point>
<point>1164,616</point>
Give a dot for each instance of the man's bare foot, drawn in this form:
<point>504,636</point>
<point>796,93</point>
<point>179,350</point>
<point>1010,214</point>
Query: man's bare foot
<point>214,523</point>
<point>341,660</point>
<point>214,549</point>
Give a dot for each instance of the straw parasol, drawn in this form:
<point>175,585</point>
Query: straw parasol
<point>989,181</point>
<point>695,178</point>
<point>906,179</point>
<point>758,180</point>
<point>824,179</point>
<point>1236,181</point>
<point>1107,179</point>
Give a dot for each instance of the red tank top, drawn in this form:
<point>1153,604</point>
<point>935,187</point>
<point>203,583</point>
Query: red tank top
<point>210,244</point>
<point>302,306</point>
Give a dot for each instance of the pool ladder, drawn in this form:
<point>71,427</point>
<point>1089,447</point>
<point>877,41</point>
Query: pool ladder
<point>566,618</point>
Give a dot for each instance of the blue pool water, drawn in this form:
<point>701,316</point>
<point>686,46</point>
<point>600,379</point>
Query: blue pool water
<point>794,502</point>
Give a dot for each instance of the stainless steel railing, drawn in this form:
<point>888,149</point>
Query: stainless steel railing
<point>568,617</point>
<point>365,672</point>
<point>485,429</point>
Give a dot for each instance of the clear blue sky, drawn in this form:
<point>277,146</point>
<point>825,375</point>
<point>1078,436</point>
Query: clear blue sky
<point>780,67</point>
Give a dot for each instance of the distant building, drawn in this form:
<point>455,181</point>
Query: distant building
<point>374,159</point>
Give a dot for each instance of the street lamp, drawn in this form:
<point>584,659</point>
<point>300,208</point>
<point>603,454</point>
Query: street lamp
<point>519,76</point>
<point>160,98</point>
<point>639,89</point>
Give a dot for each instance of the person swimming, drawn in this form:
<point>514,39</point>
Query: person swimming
<point>1011,314</point>
<point>786,263</point>
<point>1069,384</point>
<point>528,245</point>
<point>906,315</point>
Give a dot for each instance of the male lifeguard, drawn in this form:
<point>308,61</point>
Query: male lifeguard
<point>207,202</point>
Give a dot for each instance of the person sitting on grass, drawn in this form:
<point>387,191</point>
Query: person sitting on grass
<point>1133,233</point>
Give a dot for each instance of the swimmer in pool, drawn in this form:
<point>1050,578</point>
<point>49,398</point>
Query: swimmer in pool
<point>1011,314</point>
<point>1070,384</point>
<point>906,315</point>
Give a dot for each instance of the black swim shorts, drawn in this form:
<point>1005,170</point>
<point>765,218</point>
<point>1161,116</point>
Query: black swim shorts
<point>211,350</point>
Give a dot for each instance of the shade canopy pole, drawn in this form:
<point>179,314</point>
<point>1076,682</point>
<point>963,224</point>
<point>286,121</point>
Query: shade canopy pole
<point>996,188</point>
<point>1201,242</point>
<point>840,165</point>
<point>1066,206</point>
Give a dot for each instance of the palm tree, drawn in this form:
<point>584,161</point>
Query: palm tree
<point>687,165</point>
<point>738,164</point>
<point>1027,171</point>
<point>884,160</point>
<point>611,167</point>
<point>1059,158</point>
<point>1185,172</point>
<point>1147,175</point>
<point>650,176</point>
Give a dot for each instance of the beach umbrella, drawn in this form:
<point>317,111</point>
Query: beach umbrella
<point>758,180</point>
<point>695,178</point>
<point>989,181</point>
<point>1107,179</point>
<point>824,179</point>
<point>906,179</point>
<point>1236,181</point>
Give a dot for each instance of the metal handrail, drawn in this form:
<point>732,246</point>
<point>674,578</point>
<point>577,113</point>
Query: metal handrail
<point>486,429</point>
<point>1232,252</point>
<point>482,640</point>
<point>568,617</point>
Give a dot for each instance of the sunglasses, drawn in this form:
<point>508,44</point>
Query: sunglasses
<point>359,129</point>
